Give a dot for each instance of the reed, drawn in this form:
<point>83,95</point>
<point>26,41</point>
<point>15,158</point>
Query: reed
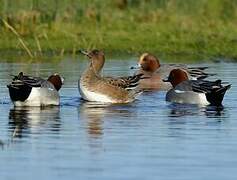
<point>201,28</point>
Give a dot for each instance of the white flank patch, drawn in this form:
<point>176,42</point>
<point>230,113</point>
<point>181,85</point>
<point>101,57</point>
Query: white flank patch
<point>40,97</point>
<point>92,96</point>
<point>203,99</point>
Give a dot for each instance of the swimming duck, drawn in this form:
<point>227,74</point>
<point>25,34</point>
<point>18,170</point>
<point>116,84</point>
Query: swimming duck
<point>154,72</point>
<point>34,91</point>
<point>201,92</point>
<point>94,87</point>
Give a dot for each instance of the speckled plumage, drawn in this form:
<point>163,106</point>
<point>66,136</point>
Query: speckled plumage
<point>94,87</point>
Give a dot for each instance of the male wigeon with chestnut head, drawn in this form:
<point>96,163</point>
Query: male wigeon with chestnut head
<point>200,92</point>
<point>154,72</point>
<point>34,91</point>
<point>94,87</point>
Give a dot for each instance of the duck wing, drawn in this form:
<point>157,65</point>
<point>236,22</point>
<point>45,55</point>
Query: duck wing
<point>30,81</point>
<point>214,90</point>
<point>198,72</point>
<point>195,72</point>
<point>128,83</point>
<point>207,86</point>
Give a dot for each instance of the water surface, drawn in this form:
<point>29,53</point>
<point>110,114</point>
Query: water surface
<point>147,139</point>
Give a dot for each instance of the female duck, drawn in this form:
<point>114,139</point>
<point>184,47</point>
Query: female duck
<point>94,87</point>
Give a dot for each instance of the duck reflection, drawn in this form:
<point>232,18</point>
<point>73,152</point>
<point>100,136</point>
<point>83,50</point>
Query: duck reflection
<point>184,117</point>
<point>213,111</point>
<point>95,114</point>
<point>24,121</point>
<point>178,110</point>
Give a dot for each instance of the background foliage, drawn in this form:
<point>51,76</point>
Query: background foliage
<point>198,27</point>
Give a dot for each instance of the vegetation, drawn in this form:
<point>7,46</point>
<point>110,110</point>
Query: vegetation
<point>201,28</point>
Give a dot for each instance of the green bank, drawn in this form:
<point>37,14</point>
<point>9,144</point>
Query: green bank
<point>204,29</point>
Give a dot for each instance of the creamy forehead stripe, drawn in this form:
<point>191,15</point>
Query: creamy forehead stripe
<point>62,79</point>
<point>143,56</point>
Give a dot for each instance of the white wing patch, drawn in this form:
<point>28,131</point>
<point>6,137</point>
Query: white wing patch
<point>179,91</point>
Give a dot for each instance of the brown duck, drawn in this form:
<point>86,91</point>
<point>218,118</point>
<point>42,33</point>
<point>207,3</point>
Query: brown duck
<point>93,87</point>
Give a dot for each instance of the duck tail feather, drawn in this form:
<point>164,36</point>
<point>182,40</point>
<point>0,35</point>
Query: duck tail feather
<point>216,96</point>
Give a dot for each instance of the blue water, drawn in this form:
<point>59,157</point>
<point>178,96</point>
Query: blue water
<point>147,139</point>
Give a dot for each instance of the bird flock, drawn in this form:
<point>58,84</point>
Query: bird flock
<point>183,84</point>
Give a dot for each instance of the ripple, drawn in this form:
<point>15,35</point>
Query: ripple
<point>146,139</point>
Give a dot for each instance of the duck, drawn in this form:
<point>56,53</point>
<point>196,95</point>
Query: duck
<point>27,90</point>
<point>94,87</point>
<point>199,92</point>
<point>150,66</point>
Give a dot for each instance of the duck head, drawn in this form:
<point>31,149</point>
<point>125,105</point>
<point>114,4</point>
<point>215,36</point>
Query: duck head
<point>56,80</point>
<point>149,62</point>
<point>97,59</point>
<point>176,76</point>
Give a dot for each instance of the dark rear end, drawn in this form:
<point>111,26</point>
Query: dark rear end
<point>19,92</point>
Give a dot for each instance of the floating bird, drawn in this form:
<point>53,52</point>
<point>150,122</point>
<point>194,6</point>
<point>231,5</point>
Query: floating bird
<point>200,92</point>
<point>154,72</point>
<point>94,87</point>
<point>34,91</point>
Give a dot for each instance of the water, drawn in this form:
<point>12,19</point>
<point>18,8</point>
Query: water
<point>147,139</point>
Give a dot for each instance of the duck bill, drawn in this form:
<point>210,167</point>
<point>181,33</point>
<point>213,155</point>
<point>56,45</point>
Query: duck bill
<point>165,80</point>
<point>138,66</point>
<point>86,53</point>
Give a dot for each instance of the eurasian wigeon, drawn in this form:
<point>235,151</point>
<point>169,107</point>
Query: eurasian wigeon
<point>150,66</point>
<point>35,91</point>
<point>94,87</point>
<point>201,92</point>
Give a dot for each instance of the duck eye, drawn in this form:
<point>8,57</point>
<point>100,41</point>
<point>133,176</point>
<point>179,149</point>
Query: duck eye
<point>96,52</point>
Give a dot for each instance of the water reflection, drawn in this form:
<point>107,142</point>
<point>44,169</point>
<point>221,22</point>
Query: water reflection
<point>2,144</point>
<point>95,115</point>
<point>28,120</point>
<point>179,110</point>
<point>213,112</point>
<point>98,141</point>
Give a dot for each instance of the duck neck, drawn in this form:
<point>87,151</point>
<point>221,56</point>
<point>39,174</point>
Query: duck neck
<point>96,66</point>
<point>91,73</point>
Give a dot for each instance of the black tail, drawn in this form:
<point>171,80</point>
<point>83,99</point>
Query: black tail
<point>18,90</point>
<point>215,97</point>
<point>19,93</point>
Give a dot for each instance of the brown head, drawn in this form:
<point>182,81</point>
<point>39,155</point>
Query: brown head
<point>56,80</point>
<point>149,62</point>
<point>177,76</point>
<point>97,58</point>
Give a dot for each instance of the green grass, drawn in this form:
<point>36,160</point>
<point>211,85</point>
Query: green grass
<point>205,29</point>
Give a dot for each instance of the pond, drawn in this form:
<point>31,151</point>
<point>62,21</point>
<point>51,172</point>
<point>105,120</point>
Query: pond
<point>147,139</point>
